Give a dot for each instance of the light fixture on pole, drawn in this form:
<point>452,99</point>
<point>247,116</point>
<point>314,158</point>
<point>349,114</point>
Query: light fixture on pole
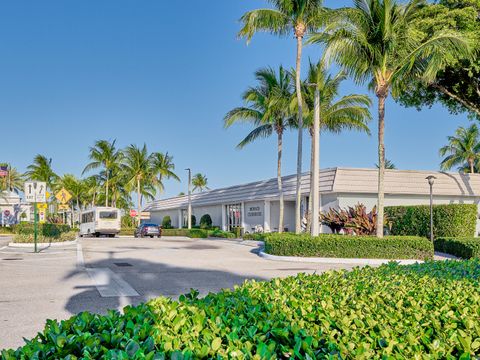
<point>189,211</point>
<point>431,181</point>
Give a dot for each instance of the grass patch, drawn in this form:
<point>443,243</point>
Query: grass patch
<point>344,246</point>
<point>425,310</point>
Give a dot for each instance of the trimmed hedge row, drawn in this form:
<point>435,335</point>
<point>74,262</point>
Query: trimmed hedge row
<point>423,311</point>
<point>346,246</point>
<point>465,248</point>
<point>452,220</point>
<point>47,230</point>
<point>193,233</point>
<point>29,238</point>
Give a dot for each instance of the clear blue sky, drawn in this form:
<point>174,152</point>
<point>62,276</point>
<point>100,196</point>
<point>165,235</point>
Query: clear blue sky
<point>165,73</point>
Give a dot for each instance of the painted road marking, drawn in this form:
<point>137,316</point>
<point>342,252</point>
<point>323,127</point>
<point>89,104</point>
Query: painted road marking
<point>80,259</point>
<point>110,284</point>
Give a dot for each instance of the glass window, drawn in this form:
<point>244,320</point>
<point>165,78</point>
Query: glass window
<point>234,216</point>
<point>109,215</point>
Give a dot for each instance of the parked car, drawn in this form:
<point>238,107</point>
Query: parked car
<point>151,230</point>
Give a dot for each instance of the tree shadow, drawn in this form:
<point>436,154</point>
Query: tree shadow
<point>149,279</point>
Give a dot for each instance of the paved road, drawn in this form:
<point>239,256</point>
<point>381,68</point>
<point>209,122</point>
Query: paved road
<point>102,274</point>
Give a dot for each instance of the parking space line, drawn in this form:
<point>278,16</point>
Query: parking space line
<point>110,284</point>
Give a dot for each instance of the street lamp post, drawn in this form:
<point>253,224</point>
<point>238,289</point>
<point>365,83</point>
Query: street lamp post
<point>189,211</point>
<point>431,180</point>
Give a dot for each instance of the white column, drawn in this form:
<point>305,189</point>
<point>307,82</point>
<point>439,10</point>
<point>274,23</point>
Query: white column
<point>180,220</point>
<point>266,216</point>
<point>243,216</point>
<point>224,218</point>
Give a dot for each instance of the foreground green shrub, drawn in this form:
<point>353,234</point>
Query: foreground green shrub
<point>464,248</point>
<point>423,311</point>
<point>198,234</point>
<point>127,231</point>
<point>47,229</point>
<point>254,236</point>
<point>346,246</point>
<point>452,220</point>
<point>206,221</point>
<point>193,233</point>
<point>221,234</point>
<point>29,238</point>
<point>166,222</point>
<point>6,230</point>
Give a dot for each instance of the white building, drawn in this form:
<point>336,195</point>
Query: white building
<point>12,209</point>
<point>256,204</point>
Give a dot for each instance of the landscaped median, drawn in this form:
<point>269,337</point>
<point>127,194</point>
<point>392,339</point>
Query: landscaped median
<point>418,311</point>
<point>46,233</point>
<point>349,247</point>
<point>465,248</point>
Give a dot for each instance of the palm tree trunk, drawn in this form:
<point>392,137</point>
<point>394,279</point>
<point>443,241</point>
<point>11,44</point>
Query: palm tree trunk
<point>312,159</point>
<point>472,167</point>
<point>106,191</point>
<point>381,162</point>
<point>138,201</point>
<point>298,198</point>
<point>279,180</point>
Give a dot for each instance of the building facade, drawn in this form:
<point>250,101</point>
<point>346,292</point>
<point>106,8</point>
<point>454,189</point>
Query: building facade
<point>255,206</point>
<point>12,210</point>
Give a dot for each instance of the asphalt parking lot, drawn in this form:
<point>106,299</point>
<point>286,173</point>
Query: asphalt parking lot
<point>101,274</point>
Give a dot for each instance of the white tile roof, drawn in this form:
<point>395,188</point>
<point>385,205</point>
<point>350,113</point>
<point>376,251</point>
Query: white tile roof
<point>333,180</point>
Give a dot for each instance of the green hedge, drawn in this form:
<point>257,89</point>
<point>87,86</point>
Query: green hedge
<point>193,233</point>
<point>47,229</point>
<point>29,238</point>
<point>452,220</point>
<point>423,311</point>
<point>221,234</point>
<point>465,248</point>
<point>127,231</point>
<point>347,246</point>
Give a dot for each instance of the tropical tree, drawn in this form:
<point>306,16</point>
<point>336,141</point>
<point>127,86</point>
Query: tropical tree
<point>335,114</point>
<point>104,154</point>
<point>463,148</point>
<point>139,173</point>
<point>92,189</point>
<point>287,16</point>
<point>163,167</point>
<point>14,180</point>
<point>41,170</point>
<point>389,165</point>
<point>376,41</point>
<point>200,182</point>
<point>76,188</point>
<point>267,108</point>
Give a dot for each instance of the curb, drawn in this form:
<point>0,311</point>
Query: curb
<point>53,244</point>
<point>336,260</point>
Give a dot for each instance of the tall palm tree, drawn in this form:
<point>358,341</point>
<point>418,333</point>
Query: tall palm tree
<point>139,173</point>
<point>200,182</point>
<point>41,170</point>
<point>376,42</point>
<point>350,112</point>
<point>267,108</point>
<point>389,165</point>
<point>287,16</point>
<point>104,154</point>
<point>92,189</point>
<point>164,167</point>
<point>463,147</point>
<point>14,180</point>
<point>75,187</point>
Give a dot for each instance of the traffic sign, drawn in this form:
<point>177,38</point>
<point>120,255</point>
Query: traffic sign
<point>43,206</point>
<point>35,191</point>
<point>63,196</point>
<point>6,213</point>
<point>63,207</point>
<point>145,215</point>
<point>42,216</point>
<point>133,213</point>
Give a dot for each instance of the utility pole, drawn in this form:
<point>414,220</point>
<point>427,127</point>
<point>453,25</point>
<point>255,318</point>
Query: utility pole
<point>315,219</point>
<point>189,211</point>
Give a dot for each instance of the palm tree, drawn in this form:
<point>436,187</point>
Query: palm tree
<point>389,165</point>
<point>376,41</point>
<point>350,112</point>
<point>163,166</point>
<point>14,180</point>
<point>267,107</point>
<point>301,17</point>
<point>104,154</point>
<point>200,182</point>
<point>463,147</point>
<point>41,170</point>
<point>139,173</point>
<point>75,187</point>
<point>92,189</point>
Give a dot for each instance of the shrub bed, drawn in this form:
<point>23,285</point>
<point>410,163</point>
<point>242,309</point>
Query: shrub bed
<point>464,248</point>
<point>452,220</point>
<point>193,233</point>
<point>29,238</point>
<point>254,236</point>
<point>390,312</point>
<point>47,229</point>
<point>6,230</point>
<point>127,231</point>
<point>345,246</point>
<point>221,234</point>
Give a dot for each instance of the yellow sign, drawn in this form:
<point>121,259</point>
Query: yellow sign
<point>42,216</point>
<point>43,206</point>
<point>63,207</point>
<point>47,194</point>
<point>63,196</point>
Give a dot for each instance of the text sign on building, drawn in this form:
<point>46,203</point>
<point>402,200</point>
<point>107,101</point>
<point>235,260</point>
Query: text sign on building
<point>254,211</point>
<point>35,191</point>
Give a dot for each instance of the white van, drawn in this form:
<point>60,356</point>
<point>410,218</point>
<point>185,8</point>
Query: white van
<point>100,221</point>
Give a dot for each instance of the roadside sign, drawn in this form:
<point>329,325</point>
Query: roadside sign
<point>43,206</point>
<point>35,191</point>
<point>6,213</point>
<point>48,195</point>
<point>133,213</point>
<point>63,207</point>
<point>145,215</point>
<point>63,196</point>
<point>42,216</point>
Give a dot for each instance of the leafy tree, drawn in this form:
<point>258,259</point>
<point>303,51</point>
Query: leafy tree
<point>457,87</point>
<point>267,108</point>
<point>164,167</point>
<point>463,147</point>
<point>388,165</point>
<point>76,187</point>
<point>377,42</point>
<point>350,112</point>
<point>200,182</point>
<point>287,16</point>
<point>104,154</point>
<point>41,170</point>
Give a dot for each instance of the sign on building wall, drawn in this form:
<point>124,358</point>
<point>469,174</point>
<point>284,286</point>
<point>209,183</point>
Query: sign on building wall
<point>254,211</point>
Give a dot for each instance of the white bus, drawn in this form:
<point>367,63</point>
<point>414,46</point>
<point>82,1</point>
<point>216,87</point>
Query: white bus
<point>100,221</point>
